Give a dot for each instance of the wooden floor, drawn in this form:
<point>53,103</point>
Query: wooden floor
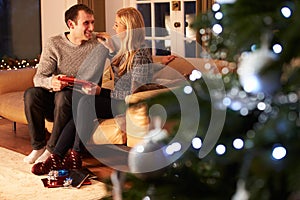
<point>19,141</point>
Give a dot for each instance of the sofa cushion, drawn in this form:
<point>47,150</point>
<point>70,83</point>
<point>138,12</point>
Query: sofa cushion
<point>137,124</point>
<point>176,69</point>
<point>110,131</point>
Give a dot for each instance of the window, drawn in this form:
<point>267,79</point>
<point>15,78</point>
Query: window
<point>20,32</point>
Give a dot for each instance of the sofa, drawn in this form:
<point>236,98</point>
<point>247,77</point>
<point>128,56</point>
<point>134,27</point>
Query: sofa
<point>128,129</point>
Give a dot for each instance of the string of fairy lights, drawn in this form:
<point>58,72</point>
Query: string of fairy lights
<point>15,64</point>
<point>240,101</point>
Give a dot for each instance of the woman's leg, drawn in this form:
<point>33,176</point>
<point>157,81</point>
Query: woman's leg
<point>58,159</point>
<point>66,139</point>
<point>90,108</point>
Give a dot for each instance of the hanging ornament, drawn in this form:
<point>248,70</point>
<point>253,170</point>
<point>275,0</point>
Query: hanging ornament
<point>250,68</point>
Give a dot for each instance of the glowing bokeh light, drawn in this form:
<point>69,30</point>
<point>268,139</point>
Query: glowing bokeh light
<point>251,84</point>
<point>217,28</point>
<point>286,12</point>
<point>238,143</point>
<point>261,106</point>
<point>279,152</point>
<point>219,15</point>
<point>220,149</point>
<point>197,143</point>
<point>277,48</point>
<point>188,89</point>
<point>215,7</point>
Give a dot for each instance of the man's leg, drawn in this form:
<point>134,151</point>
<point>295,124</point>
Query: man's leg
<point>62,115</point>
<point>38,103</point>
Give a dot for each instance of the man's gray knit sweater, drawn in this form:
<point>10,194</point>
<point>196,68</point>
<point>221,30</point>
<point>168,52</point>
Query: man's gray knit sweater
<point>60,56</point>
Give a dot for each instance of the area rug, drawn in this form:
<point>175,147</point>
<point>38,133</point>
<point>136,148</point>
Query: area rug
<point>18,183</point>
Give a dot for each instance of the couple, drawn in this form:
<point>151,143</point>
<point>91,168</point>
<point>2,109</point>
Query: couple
<point>62,56</point>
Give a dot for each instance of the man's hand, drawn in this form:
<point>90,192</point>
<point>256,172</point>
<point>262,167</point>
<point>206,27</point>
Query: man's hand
<point>105,39</point>
<point>58,85</point>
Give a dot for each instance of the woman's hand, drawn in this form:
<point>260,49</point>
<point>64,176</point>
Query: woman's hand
<point>58,85</point>
<point>167,59</point>
<point>105,39</point>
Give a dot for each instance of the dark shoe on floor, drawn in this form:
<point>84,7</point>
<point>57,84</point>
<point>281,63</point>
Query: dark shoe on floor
<point>53,162</point>
<point>73,160</point>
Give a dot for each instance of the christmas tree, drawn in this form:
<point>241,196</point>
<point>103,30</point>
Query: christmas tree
<point>255,156</point>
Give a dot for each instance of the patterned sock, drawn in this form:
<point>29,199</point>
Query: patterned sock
<point>73,160</point>
<point>53,162</point>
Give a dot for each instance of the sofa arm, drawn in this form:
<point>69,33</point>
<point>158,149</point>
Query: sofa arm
<point>141,96</point>
<point>16,80</point>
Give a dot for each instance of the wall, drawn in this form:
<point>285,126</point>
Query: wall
<point>111,7</point>
<point>52,17</point>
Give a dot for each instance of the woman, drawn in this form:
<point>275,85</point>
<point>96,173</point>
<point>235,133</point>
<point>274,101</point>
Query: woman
<point>132,67</point>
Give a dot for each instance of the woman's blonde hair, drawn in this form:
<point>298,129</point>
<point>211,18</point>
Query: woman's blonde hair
<point>132,19</point>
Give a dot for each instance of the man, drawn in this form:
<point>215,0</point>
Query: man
<point>50,99</point>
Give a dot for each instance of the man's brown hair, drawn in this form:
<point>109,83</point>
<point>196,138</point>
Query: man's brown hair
<point>72,12</point>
